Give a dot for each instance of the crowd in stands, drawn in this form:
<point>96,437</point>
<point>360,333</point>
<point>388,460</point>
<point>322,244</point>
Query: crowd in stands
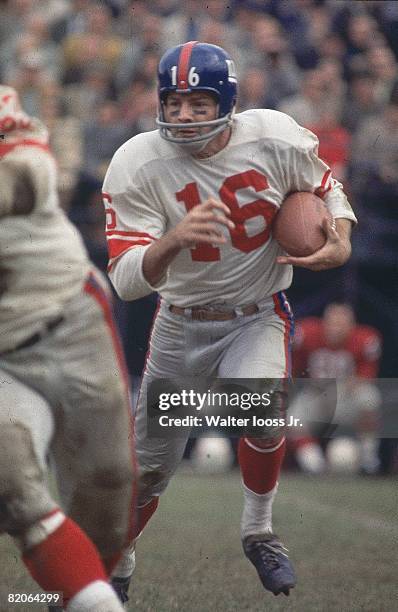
<point>88,69</point>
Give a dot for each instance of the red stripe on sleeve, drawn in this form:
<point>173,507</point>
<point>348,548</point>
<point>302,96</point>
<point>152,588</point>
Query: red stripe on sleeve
<point>320,192</point>
<point>117,247</point>
<point>183,64</point>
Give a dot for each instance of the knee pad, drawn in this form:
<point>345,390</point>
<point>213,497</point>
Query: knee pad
<point>24,498</point>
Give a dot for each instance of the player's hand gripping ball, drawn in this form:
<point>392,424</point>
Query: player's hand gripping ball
<point>298,226</point>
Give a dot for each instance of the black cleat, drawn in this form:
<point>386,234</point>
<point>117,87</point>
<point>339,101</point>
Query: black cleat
<point>269,557</point>
<point>121,587</point>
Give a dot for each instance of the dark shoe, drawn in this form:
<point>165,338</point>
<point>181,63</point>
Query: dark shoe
<point>121,587</point>
<point>269,557</point>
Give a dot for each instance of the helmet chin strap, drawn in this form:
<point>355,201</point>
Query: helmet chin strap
<point>197,143</point>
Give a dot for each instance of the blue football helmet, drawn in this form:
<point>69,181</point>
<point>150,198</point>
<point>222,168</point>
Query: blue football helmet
<point>196,66</point>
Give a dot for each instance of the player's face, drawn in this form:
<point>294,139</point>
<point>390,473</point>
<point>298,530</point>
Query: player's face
<point>338,321</point>
<point>190,108</point>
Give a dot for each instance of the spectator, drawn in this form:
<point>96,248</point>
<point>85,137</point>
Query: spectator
<point>51,55</point>
<point>362,34</point>
<point>98,43</point>
<point>73,22</point>
<point>361,102</point>
<point>333,47</point>
<point>374,163</point>
<point>308,105</point>
<point>334,142</point>
<point>31,79</point>
<point>271,52</point>
<point>184,25</point>
<point>148,41</point>
<point>102,135</point>
<point>94,89</point>
<point>384,68</point>
<point>66,142</point>
<point>254,90</point>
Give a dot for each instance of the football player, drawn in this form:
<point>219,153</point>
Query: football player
<point>189,214</point>
<point>62,386</point>
<point>336,347</point>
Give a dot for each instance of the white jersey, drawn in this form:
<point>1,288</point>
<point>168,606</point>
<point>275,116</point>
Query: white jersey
<point>42,258</point>
<point>151,184</point>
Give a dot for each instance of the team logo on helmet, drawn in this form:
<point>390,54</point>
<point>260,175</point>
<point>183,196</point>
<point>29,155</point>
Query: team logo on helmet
<point>196,66</point>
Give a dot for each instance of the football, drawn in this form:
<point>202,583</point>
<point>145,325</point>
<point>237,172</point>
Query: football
<point>298,224</point>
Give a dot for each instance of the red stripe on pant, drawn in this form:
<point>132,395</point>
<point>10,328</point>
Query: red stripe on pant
<point>282,309</point>
<point>93,288</point>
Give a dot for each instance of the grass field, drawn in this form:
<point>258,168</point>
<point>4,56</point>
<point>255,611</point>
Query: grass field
<point>342,534</point>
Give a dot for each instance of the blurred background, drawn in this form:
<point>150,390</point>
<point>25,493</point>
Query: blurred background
<point>88,70</point>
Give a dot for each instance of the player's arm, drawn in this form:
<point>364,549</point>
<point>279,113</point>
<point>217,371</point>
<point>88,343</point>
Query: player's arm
<point>309,173</point>
<point>202,225</point>
<point>334,253</point>
<point>140,249</point>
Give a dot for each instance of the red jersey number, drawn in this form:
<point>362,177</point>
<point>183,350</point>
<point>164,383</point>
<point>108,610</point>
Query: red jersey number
<point>190,197</point>
<point>239,214</point>
<point>110,215</point>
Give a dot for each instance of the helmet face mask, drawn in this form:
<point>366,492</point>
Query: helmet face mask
<point>196,67</point>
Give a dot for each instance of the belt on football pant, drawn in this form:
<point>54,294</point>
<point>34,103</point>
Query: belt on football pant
<point>199,313</point>
<point>35,338</point>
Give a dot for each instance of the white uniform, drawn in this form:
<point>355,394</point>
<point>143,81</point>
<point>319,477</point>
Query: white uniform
<point>151,184</point>
<point>42,257</point>
<point>149,187</point>
<point>62,380</point>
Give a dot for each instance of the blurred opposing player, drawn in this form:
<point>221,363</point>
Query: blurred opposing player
<point>336,347</point>
<point>189,210</point>
<point>62,389</point>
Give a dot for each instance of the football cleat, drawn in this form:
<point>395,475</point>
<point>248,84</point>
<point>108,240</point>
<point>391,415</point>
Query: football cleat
<point>121,587</point>
<point>269,557</point>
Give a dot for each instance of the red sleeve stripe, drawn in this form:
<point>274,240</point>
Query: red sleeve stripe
<point>118,247</point>
<point>107,197</point>
<point>326,184</point>
<point>113,260</point>
<point>183,64</point>
<point>122,233</point>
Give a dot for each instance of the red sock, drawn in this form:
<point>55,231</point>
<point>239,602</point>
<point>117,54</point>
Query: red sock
<point>144,514</point>
<point>260,467</point>
<point>65,561</point>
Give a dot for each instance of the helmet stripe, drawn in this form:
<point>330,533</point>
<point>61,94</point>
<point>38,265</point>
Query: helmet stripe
<point>183,64</point>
